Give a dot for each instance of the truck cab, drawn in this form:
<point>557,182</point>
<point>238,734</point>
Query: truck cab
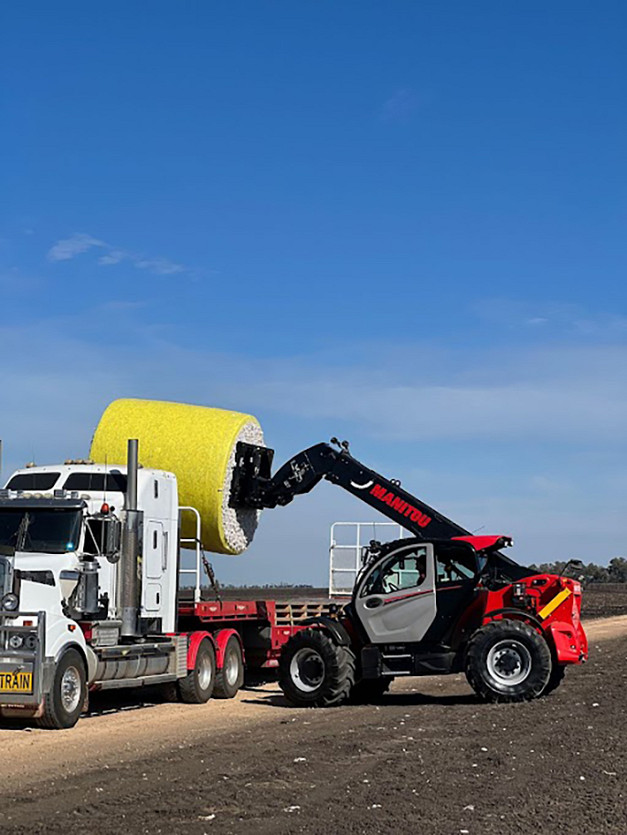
<point>60,544</point>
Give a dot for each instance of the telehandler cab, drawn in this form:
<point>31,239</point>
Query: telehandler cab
<point>442,601</point>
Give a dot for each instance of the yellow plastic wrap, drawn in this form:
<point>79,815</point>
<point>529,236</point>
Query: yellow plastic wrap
<point>195,443</point>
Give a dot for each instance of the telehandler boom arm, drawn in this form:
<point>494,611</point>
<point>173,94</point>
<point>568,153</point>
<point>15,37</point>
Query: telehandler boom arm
<point>255,486</point>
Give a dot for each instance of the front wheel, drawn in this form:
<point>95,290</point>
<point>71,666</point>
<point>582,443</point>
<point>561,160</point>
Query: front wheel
<point>508,661</point>
<point>64,702</point>
<point>314,671</point>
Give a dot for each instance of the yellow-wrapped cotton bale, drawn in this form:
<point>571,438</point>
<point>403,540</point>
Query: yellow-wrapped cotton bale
<point>195,443</point>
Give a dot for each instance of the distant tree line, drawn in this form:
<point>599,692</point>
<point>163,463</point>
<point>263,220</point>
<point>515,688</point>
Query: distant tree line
<point>615,572</point>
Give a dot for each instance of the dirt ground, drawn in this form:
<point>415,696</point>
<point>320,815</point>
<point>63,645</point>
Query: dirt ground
<point>429,759</point>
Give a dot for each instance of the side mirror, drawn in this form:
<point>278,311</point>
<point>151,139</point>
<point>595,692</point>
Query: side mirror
<point>103,537</point>
<point>111,538</point>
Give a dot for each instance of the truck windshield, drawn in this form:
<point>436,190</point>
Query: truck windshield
<point>40,529</point>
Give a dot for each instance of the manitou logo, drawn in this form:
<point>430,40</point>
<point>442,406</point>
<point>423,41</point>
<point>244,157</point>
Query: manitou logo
<point>401,506</point>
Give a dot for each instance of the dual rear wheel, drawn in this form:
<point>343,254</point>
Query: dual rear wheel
<point>204,680</point>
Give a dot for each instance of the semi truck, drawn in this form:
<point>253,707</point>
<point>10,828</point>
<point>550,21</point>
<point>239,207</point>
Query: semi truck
<point>93,596</point>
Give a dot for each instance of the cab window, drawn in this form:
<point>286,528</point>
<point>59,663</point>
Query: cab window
<point>404,570</point>
<point>455,566</point>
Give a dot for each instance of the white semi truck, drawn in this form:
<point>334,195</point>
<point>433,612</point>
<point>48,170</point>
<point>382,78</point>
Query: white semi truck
<point>90,599</point>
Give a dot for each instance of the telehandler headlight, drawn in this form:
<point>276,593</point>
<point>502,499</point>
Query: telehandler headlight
<point>16,641</point>
<point>10,602</point>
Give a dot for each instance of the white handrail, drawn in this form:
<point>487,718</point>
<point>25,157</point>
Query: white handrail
<point>197,570</point>
<point>334,548</point>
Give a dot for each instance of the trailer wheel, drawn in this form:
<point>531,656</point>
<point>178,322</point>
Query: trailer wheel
<point>230,677</point>
<point>508,661</point>
<point>370,690</point>
<point>197,686</point>
<point>63,704</point>
<point>314,671</point>
<point>556,678</point>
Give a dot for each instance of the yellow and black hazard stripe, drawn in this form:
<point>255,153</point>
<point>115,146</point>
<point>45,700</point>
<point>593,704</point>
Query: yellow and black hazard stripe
<point>552,605</point>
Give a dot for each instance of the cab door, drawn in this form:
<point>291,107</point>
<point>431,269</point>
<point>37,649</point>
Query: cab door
<point>154,563</point>
<point>395,599</point>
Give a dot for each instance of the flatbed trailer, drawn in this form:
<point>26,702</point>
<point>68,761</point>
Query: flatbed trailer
<point>263,626</point>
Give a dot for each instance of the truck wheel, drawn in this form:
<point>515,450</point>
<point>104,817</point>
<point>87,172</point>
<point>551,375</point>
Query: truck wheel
<point>197,686</point>
<point>508,661</point>
<point>555,679</point>
<point>63,704</point>
<point>314,671</point>
<point>370,690</point>
<point>230,677</point>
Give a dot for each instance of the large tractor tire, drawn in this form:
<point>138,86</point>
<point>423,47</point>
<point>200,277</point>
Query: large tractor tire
<point>197,686</point>
<point>314,671</point>
<point>230,676</point>
<point>508,661</point>
<point>370,690</point>
<point>64,703</point>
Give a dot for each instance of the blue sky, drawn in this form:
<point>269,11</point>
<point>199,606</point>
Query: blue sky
<point>402,223</point>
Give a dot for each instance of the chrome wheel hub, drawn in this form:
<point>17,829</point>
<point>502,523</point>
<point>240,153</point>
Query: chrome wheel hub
<point>70,689</point>
<point>204,672</point>
<point>509,662</point>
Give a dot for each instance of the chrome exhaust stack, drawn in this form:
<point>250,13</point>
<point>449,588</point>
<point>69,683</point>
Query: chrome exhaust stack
<point>129,579</point>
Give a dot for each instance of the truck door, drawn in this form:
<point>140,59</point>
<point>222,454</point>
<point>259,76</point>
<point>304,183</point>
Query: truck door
<point>395,600</point>
<point>154,564</point>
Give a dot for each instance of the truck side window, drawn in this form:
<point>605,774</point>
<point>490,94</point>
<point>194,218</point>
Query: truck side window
<point>404,570</point>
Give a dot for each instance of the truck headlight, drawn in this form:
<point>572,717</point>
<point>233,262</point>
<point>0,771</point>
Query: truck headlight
<point>10,602</point>
<point>30,642</point>
<point>16,641</point>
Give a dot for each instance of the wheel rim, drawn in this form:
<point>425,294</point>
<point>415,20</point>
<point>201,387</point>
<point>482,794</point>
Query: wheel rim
<point>71,689</point>
<point>205,671</point>
<point>231,671</point>
<point>307,669</point>
<point>509,662</point>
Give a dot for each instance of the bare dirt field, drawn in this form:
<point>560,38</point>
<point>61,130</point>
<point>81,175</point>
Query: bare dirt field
<point>429,759</point>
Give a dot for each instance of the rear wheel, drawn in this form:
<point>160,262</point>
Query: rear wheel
<point>197,686</point>
<point>230,677</point>
<point>63,704</point>
<point>314,671</point>
<point>508,661</point>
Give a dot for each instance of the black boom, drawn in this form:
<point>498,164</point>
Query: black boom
<point>254,486</point>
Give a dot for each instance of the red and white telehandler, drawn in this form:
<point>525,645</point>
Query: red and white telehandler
<point>442,601</point>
